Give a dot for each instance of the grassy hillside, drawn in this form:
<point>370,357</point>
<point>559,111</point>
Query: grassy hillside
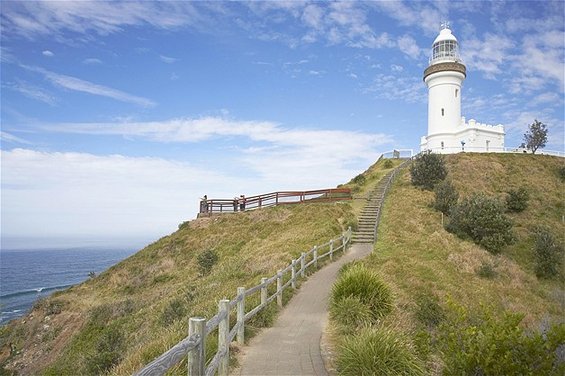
<point>120,320</point>
<point>433,273</point>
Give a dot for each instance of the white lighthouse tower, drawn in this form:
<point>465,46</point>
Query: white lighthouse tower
<point>447,130</point>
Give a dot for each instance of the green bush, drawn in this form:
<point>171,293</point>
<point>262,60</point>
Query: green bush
<point>517,200</point>
<point>482,219</point>
<point>108,352</point>
<point>427,170</point>
<point>548,253</point>
<point>446,197</point>
<point>486,270</point>
<point>363,284</point>
<point>428,311</point>
<point>206,260</point>
<point>489,343</point>
<point>351,314</point>
<point>377,352</point>
<point>561,173</point>
<point>359,179</point>
<point>388,164</point>
<point>175,310</point>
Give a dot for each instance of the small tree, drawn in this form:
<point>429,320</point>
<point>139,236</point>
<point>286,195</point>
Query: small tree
<point>536,136</point>
<point>482,219</point>
<point>548,253</point>
<point>517,199</point>
<point>446,197</point>
<point>427,170</point>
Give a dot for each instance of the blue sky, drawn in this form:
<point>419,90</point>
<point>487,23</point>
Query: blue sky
<point>117,116</point>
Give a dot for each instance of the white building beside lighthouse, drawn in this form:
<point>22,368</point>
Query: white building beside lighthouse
<point>448,132</point>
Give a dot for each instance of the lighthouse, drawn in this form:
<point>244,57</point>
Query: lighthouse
<point>447,130</point>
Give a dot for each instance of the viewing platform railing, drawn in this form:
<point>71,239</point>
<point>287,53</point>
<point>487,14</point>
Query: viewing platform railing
<point>219,206</point>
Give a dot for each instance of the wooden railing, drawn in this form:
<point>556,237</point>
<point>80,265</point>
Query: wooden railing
<point>217,206</point>
<point>194,345</point>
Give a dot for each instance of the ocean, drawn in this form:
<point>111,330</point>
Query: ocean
<point>27,275</point>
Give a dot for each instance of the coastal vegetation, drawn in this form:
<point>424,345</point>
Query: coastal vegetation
<point>426,301</point>
<point>458,307</point>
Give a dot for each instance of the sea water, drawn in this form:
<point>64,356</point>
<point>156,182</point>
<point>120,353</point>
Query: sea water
<point>27,275</point>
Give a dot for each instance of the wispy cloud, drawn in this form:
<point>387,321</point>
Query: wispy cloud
<point>48,53</point>
<point>92,61</point>
<point>77,84</point>
<point>167,59</point>
<point>32,19</point>
<point>32,92</point>
<point>6,137</point>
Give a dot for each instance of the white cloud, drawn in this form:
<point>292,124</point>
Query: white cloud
<point>167,59</point>
<point>77,84</point>
<point>415,14</point>
<point>58,194</point>
<point>10,138</point>
<point>50,192</point>
<point>396,68</point>
<point>394,87</point>
<point>32,92</point>
<point>92,61</point>
<point>48,53</point>
<point>489,55</point>
<point>408,46</point>
<point>31,19</point>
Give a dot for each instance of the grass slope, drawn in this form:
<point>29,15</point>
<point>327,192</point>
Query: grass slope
<point>120,320</point>
<point>423,263</point>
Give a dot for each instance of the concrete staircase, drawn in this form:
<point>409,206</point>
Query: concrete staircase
<point>366,228</point>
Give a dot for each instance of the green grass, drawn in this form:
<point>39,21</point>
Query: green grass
<point>425,266</point>
<point>143,303</point>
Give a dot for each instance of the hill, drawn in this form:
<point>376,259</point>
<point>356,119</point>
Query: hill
<point>439,279</point>
<point>123,318</point>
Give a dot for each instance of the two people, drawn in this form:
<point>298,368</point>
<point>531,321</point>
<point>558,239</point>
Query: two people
<point>239,201</point>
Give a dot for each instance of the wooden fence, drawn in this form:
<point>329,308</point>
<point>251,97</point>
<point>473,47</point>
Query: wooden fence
<point>194,345</point>
<point>217,206</point>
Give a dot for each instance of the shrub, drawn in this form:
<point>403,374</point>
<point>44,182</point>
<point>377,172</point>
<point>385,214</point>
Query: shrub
<point>173,311</point>
<point>486,270</point>
<point>363,284</point>
<point>548,254</point>
<point>517,199</point>
<point>108,352</point>
<point>427,170</point>
<point>488,343</point>
<point>206,260</point>
<point>561,173</point>
<point>387,164</point>
<point>482,219</point>
<point>429,312</point>
<point>377,352</point>
<point>351,314</point>
<point>359,179</point>
<point>446,197</point>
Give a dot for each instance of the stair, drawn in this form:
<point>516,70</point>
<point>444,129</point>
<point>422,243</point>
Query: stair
<point>370,215</point>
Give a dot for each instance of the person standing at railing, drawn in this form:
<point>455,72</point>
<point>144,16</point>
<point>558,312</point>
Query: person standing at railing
<point>235,202</point>
<point>242,203</point>
<point>204,204</point>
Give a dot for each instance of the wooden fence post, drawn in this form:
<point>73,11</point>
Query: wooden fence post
<point>331,250</point>
<point>223,336</point>
<point>293,274</point>
<point>263,291</point>
<point>241,315</point>
<point>279,289</point>
<point>302,264</point>
<point>343,243</point>
<point>315,253</point>
<point>197,357</point>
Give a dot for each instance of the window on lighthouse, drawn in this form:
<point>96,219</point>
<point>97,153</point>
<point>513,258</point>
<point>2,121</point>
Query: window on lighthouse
<point>456,92</point>
<point>442,112</point>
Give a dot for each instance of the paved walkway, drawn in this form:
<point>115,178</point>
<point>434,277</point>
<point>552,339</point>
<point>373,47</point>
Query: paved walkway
<point>292,345</point>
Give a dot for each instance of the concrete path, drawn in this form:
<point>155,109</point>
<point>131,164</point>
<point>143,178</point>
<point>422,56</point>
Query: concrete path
<point>292,345</point>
